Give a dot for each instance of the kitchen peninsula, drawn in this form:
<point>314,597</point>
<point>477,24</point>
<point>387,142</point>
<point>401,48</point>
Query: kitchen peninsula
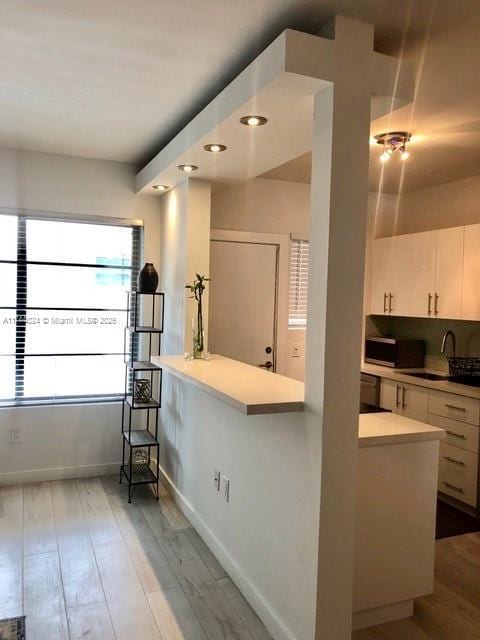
<point>224,417</point>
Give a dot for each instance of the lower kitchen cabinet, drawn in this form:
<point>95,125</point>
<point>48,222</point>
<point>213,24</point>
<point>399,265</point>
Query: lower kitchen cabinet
<point>459,416</point>
<point>405,399</point>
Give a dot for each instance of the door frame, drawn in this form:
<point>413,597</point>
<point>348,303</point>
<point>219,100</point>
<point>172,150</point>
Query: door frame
<point>282,242</point>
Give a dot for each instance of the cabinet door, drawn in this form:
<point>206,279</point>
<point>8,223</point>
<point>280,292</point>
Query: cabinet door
<point>471,274</point>
<point>449,273</point>
<point>412,273</point>
<point>380,275</point>
<point>414,402</point>
<point>390,395</point>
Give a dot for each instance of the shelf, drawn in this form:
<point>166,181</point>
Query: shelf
<point>142,366</point>
<point>143,329</point>
<point>140,438</point>
<point>146,477</point>
<point>144,293</point>
<point>151,404</point>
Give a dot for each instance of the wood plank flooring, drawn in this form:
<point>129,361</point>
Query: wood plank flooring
<point>452,612</point>
<point>83,564</point>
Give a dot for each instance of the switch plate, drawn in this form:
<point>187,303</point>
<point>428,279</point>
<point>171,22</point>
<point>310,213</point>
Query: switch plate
<point>16,435</point>
<point>216,479</point>
<point>296,350</point>
<point>226,488</point>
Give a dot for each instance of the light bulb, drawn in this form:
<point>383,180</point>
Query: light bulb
<point>404,155</point>
<point>385,156</point>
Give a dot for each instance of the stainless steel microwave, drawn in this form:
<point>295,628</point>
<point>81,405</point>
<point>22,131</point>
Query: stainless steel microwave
<point>398,353</point>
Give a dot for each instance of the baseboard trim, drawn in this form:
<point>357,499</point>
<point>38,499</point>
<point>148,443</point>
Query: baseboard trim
<point>59,473</point>
<point>381,615</point>
<point>276,627</point>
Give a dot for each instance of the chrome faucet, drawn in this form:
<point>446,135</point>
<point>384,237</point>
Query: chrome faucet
<point>444,342</point>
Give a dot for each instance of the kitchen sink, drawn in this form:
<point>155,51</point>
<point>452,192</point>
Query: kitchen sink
<point>427,376</point>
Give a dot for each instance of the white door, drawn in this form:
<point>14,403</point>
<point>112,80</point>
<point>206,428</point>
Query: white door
<point>242,303</point>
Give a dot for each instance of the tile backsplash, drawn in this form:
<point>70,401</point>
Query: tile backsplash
<point>431,330</point>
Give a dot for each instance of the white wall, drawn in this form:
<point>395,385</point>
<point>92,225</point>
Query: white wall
<point>451,204</point>
<point>69,440</point>
<point>265,537</point>
<point>185,244</point>
<point>267,206</point>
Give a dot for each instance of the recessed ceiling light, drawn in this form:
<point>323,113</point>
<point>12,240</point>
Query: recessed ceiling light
<point>215,148</point>
<point>253,121</point>
<point>160,187</point>
<point>188,168</point>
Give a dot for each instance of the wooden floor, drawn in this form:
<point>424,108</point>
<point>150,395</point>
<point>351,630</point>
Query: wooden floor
<point>82,564</point>
<point>453,611</point>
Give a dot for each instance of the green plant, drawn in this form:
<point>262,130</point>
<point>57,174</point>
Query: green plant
<point>197,288</point>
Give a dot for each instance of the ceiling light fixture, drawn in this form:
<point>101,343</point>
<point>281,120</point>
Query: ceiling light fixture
<point>187,168</point>
<point>394,141</point>
<point>215,148</point>
<point>160,187</point>
<point>253,121</point>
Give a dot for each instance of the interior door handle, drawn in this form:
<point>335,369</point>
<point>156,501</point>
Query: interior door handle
<point>267,365</point>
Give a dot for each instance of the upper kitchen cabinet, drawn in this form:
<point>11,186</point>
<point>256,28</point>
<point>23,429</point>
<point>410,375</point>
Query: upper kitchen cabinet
<point>418,274</point>
<point>471,273</point>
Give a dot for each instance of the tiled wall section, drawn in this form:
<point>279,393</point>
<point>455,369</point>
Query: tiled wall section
<point>466,333</point>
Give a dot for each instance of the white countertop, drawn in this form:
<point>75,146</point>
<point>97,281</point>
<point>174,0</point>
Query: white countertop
<point>440,385</point>
<point>249,389</point>
<point>376,429</point>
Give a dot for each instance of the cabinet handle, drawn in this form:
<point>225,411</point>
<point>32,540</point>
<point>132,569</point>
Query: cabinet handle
<point>385,303</point>
<point>452,486</point>
<point>435,305</point>
<point>455,435</point>
<point>390,298</point>
<point>453,406</point>
<point>404,393</point>
<point>429,304</point>
<point>397,397</point>
<point>453,461</point>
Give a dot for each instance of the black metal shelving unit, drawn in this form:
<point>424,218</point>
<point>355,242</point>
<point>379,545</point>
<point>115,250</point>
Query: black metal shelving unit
<point>140,417</point>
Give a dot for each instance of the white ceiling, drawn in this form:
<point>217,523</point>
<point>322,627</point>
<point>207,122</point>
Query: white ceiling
<point>117,79</point>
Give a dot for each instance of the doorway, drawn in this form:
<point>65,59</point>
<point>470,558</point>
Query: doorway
<point>244,301</point>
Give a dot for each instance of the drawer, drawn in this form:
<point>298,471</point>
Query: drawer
<point>457,487</point>
<point>459,461</point>
<point>455,407</point>
<point>458,434</point>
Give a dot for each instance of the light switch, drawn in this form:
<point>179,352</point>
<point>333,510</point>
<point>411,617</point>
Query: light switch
<point>296,350</point>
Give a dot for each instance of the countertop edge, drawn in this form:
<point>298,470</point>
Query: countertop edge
<point>245,408</point>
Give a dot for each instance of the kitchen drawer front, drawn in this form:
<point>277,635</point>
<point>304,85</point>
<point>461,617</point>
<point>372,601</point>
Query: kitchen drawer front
<point>461,462</point>
<point>454,407</point>
<point>457,487</point>
<point>458,434</point>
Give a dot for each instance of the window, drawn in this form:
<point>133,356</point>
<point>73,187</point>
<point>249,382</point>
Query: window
<point>297,308</point>
<point>63,307</point>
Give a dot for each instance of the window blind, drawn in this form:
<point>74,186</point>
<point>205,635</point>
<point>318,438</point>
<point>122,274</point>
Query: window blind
<point>299,262</point>
<point>63,307</point>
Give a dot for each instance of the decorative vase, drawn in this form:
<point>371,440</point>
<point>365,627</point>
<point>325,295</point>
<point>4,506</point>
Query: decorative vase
<point>198,338</point>
<point>142,390</point>
<point>148,279</point>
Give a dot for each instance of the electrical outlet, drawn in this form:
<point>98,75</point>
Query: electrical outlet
<point>16,435</point>
<point>216,479</point>
<point>226,488</point>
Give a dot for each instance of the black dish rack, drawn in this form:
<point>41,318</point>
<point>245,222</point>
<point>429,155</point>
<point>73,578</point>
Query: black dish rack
<point>464,370</point>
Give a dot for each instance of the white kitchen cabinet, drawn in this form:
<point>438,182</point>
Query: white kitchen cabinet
<point>407,400</point>
<point>447,292</point>
<point>471,274</point>
<point>380,284</point>
<point>419,274</point>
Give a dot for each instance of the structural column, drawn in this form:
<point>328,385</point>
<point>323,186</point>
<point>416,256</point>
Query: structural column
<point>337,249</point>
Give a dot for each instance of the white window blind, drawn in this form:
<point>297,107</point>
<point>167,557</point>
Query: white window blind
<point>299,259</point>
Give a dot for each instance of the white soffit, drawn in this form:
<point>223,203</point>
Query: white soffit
<point>279,84</point>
